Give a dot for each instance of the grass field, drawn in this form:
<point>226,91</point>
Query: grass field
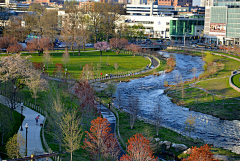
<point>107,60</point>
<point>16,124</point>
<point>236,80</point>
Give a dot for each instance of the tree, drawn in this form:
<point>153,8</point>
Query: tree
<point>47,58</point>
<point>72,131</point>
<point>138,149</point>
<point>102,46</point>
<point>65,58</point>
<point>87,72</point>
<point>190,124</point>
<point>111,88</point>
<point>14,69</point>
<point>133,109</point>
<point>116,66</point>
<point>157,117</point>
<point>118,44</point>
<point>14,145</point>
<point>99,141</point>
<point>36,83</point>
<point>54,107</point>
<point>201,154</point>
<point>39,45</point>
<point>14,48</point>
<point>7,41</point>
<point>85,95</point>
<point>135,49</point>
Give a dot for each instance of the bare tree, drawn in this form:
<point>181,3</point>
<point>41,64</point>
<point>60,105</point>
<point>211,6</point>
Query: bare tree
<point>65,58</point>
<point>47,58</point>
<point>157,117</point>
<point>35,83</point>
<point>190,124</point>
<point>72,131</point>
<point>116,66</point>
<point>133,109</point>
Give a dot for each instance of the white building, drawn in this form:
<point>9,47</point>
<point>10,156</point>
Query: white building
<point>149,10</point>
<point>155,26</point>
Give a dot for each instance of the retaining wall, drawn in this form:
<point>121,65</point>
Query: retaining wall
<point>231,83</point>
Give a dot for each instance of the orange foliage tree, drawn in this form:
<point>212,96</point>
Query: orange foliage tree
<point>118,44</point>
<point>138,149</point>
<point>200,154</point>
<point>100,142</point>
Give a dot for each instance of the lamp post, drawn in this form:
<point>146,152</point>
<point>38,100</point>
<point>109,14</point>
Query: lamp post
<point>21,116</point>
<point>26,137</point>
<point>65,73</point>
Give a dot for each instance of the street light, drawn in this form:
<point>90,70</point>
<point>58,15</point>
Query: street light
<point>26,137</point>
<point>65,73</point>
<point>21,116</point>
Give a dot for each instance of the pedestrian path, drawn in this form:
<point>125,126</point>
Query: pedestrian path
<point>34,144</point>
<point>108,114</point>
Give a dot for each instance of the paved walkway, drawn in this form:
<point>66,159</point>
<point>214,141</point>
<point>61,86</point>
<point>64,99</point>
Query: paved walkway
<point>34,144</point>
<point>106,113</point>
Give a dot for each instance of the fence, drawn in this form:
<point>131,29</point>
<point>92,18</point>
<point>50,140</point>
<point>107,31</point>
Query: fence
<point>44,113</point>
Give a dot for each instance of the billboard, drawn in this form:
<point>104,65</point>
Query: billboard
<point>217,29</point>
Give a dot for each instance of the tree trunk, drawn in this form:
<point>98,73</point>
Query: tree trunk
<point>79,50</point>
<point>100,52</point>
<point>35,101</point>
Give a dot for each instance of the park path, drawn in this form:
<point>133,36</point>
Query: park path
<point>203,89</point>
<point>34,144</point>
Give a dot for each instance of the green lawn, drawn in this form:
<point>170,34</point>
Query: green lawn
<point>16,124</point>
<point>236,80</point>
<point>76,63</point>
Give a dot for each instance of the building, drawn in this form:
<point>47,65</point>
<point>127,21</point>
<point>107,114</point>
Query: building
<point>86,6</point>
<point>175,2</point>
<point>149,10</point>
<point>222,23</point>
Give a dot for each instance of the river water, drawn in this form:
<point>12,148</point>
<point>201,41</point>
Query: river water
<point>149,90</point>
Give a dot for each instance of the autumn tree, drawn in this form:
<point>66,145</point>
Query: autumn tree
<point>99,142</point>
<point>102,46</point>
<point>58,69</point>
<point>135,49</point>
<point>39,45</point>
<point>138,149</point>
<point>118,44</point>
<point>14,145</point>
<point>200,154</point>
<point>7,41</point>
<point>133,109</point>
<point>190,124</point>
<point>170,63</point>
<point>35,84</point>
<point>47,58</point>
<point>72,131</point>
<point>85,95</point>
<point>14,48</point>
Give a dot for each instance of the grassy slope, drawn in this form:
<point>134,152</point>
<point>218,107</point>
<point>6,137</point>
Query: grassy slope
<point>17,118</point>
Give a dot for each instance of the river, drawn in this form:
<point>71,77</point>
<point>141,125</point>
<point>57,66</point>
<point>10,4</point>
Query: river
<point>221,133</point>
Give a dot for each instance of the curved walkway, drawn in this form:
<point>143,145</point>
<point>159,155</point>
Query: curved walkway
<point>34,144</point>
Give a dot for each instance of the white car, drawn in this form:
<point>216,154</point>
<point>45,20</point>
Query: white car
<point>88,44</point>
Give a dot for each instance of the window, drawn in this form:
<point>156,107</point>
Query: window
<point>167,29</point>
<point>167,23</point>
<point>197,30</point>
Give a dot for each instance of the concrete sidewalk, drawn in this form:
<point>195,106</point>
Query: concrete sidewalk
<point>34,144</point>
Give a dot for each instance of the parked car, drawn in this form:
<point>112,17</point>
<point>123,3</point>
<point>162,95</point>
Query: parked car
<point>88,44</point>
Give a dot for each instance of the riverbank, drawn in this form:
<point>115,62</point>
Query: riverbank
<point>212,95</point>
